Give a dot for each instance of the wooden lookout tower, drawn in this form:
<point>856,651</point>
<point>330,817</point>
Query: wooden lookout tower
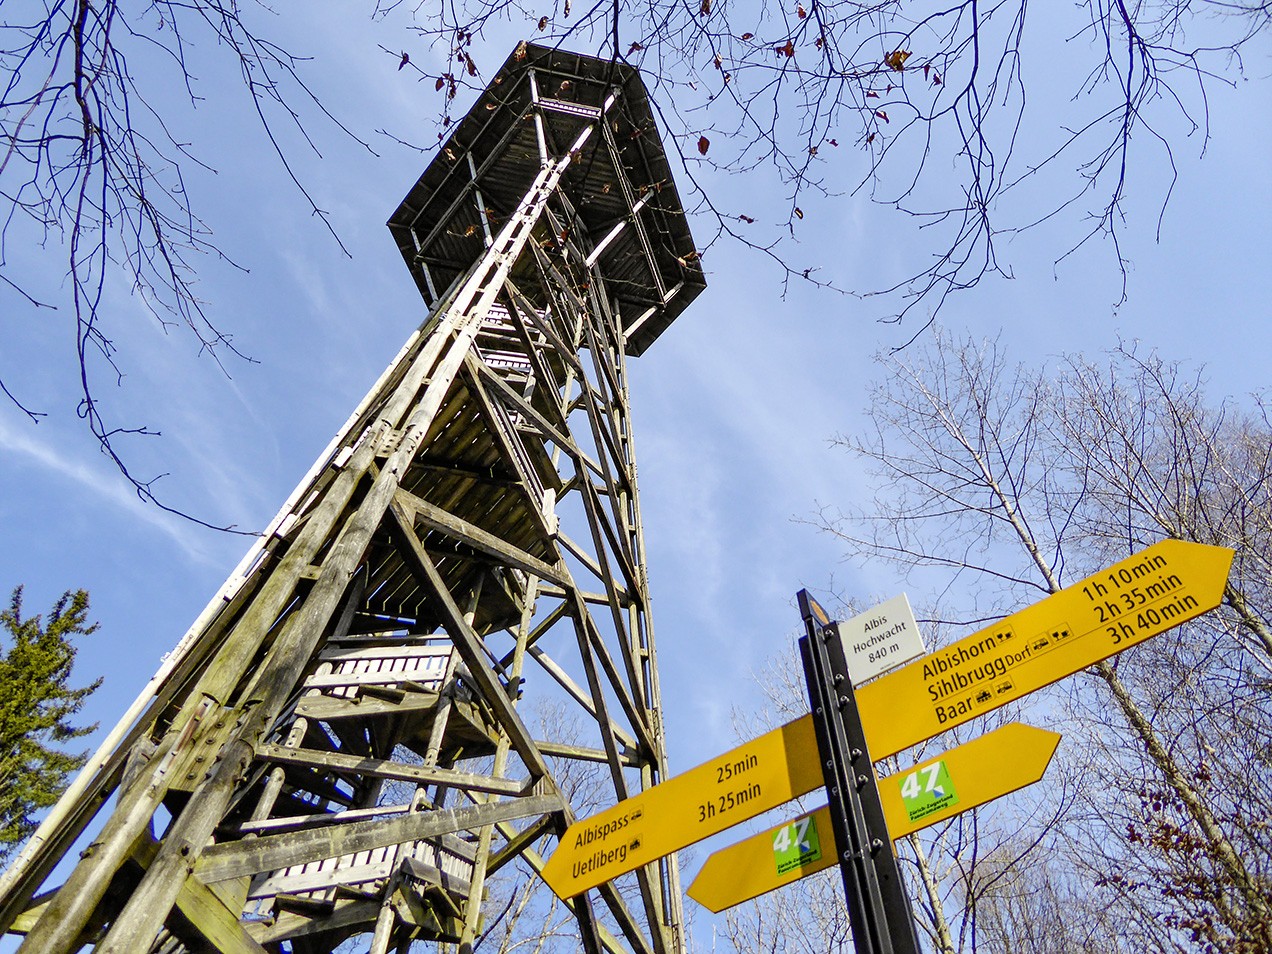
<point>386,707</point>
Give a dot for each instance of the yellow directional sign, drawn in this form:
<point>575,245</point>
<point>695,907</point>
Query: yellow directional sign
<point>972,774</point>
<point>749,780</point>
<point>1142,596</point>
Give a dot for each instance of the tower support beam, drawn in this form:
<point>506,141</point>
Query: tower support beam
<point>350,740</point>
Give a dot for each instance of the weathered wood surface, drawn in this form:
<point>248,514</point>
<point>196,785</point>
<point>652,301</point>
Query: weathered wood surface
<point>446,523</point>
<point>269,852</point>
<point>385,768</point>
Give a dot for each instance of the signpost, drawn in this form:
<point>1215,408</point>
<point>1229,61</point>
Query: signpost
<point>979,771</point>
<point>878,905</point>
<point>1140,597</point>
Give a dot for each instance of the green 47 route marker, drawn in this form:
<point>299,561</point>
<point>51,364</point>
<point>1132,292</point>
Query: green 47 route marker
<point>928,790</point>
<point>797,845</point>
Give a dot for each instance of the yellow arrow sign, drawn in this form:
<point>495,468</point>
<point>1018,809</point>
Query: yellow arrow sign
<point>749,780</point>
<point>972,774</point>
<point>1157,589</point>
<point>1142,596</point>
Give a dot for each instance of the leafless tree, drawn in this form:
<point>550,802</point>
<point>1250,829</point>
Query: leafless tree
<point>90,169</point>
<point>976,120</point>
<point>1012,481</point>
<point>1026,907</point>
<point>930,103</point>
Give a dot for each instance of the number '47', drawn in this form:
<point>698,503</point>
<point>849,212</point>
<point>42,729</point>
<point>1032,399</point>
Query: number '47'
<point>910,785</point>
<point>783,840</point>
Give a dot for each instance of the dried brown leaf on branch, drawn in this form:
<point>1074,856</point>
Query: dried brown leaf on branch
<point>788,108</point>
<point>703,145</point>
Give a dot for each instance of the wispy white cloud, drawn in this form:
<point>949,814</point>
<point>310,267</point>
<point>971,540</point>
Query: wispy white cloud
<point>102,483</point>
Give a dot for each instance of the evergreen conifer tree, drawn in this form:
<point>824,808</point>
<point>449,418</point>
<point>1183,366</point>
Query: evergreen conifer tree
<point>36,706</point>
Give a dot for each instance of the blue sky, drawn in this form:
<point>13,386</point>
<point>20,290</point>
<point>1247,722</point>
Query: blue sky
<point>734,405</point>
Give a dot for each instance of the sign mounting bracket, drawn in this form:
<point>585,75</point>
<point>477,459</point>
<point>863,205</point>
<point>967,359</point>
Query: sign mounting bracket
<point>878,907</point>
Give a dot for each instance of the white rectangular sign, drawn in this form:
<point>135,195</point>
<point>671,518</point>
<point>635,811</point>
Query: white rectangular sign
<point>881,639</point>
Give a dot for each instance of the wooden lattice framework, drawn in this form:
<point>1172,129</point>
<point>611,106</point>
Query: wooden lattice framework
<point>338,745</point>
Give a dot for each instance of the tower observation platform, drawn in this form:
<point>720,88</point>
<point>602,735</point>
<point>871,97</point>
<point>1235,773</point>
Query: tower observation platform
<point>441,647</point>
<point>621,210</point>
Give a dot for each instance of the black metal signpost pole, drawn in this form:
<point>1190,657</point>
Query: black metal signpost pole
<point>878,907</point>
